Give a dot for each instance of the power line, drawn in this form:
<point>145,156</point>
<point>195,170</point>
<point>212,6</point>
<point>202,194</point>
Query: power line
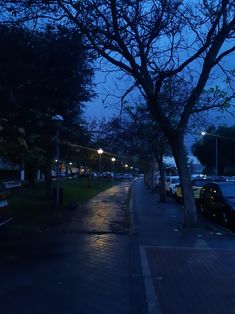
<point>95,150</point>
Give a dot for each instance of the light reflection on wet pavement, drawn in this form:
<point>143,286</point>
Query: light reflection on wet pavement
<point>106,213</point>
<point>79,267</point>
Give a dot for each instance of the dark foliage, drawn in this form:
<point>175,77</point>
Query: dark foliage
<point>205,148</point>
<point>42,74</point>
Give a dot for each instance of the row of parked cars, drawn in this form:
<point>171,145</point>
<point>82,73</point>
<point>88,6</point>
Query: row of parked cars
<point>5,213</point>
<point>215,196</point>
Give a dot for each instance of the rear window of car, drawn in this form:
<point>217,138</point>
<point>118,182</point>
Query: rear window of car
<point>200,182</point>
<point>175,180</point>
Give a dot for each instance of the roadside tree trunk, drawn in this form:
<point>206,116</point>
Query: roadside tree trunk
<point>145,177</point>
<point>48,180</point>
<point>31,172</point>
<point>162,190</point>
<point>152,175</point>
<point>180,156</point>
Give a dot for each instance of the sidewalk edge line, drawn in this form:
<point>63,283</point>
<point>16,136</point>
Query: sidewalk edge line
<point>218,228</point>
<point>188,248</point>
<point>152,300</point>
<point>131,211</point>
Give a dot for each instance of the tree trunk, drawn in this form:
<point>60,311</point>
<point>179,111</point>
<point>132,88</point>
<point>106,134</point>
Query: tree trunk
<point>31,172</point>
<point>48,180</point>
<point>152,175</point>
<point>146,177</point>
<point>162,180</point>
<point>89,178</point>
<point>180,156</point>
<point>67,170</point>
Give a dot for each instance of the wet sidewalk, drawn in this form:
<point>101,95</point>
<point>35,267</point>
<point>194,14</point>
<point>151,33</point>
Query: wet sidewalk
<point>80,267</point>
<point>107,212</point>
<point>184,271</point>
<point>92,264</point>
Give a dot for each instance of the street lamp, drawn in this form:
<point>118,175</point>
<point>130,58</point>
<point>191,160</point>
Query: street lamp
<point>203,133</point>
<point>58,120</point>
<point>100,152</point>
<point>113,159</point>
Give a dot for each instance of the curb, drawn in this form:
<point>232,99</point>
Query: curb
<point>152,299</point>
<point>131,211</point>
<point>217,228</point>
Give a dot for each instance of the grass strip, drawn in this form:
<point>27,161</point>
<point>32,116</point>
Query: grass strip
<point>32,209</point>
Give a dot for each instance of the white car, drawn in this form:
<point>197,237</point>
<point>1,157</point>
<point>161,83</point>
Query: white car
<point>170,184</point>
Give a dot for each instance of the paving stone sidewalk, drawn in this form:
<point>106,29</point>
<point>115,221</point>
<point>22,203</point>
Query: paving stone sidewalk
<point>185,271</point>
<point>107,212</point>
<point>81,267</point>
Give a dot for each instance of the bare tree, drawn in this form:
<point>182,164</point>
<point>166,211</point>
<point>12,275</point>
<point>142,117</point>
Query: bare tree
<point>135,135</point>
<point>152,42</point>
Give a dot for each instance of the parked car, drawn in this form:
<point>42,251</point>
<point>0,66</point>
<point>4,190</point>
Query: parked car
<point>218,178</point>
<point>218,201</point>
<point>197,185</point>
<point>107,175</point>
<point>5,213</point>
<point>170,184</point>
<point>127,176</point>
<point>124,176</point>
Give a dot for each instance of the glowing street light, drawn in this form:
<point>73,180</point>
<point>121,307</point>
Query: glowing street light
<point>113,159</point>
<point>100,152</point>
<point>203,133</point>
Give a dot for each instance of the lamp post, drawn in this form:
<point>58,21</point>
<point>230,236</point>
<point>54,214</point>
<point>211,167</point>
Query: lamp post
<point>216,150</point>
<point>100,152</point>
<point>113,159</point>
<point>58,120</point>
